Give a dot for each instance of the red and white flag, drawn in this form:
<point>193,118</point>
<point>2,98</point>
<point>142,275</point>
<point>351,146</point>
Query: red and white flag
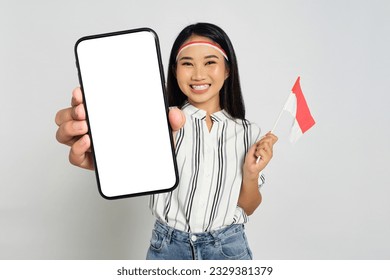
<point>297,106</point>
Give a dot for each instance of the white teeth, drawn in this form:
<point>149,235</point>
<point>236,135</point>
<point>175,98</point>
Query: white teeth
<point>200,87</point>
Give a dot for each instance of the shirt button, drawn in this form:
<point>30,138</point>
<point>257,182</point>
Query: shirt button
<point>193,238</point>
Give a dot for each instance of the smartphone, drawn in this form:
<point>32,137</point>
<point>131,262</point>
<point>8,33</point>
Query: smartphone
<point>122,80</point>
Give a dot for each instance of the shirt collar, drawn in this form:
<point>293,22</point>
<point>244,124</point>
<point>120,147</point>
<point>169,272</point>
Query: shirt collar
<point>201,114</point>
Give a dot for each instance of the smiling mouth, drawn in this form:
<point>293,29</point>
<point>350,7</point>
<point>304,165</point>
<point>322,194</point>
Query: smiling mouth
<point>200,87</point>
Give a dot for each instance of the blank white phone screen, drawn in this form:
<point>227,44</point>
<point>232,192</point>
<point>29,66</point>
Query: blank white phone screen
<point>122,83</point>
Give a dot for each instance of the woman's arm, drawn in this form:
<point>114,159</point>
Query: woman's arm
<point>250,196</point>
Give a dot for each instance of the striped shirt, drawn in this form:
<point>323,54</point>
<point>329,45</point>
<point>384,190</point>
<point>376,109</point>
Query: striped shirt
<point>210,173</point>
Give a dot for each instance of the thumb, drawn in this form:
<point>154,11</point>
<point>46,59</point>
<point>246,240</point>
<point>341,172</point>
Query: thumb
<point>176,118</point>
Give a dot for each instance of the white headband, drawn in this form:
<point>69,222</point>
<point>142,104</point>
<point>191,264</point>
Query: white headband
<point>202,43</point>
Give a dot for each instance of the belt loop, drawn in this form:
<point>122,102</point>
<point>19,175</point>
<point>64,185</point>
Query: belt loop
<point>169,234</point>
<point>216,238</point>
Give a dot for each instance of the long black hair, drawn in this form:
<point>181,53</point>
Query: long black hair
<point>230,95</point>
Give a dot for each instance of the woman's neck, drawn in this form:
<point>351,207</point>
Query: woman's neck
<point>209,108</point>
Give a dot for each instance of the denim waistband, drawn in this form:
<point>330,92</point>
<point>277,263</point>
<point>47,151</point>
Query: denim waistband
<point>197,237</point>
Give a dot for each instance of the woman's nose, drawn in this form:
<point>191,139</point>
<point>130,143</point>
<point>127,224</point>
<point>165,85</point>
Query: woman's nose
<point>198,73</point>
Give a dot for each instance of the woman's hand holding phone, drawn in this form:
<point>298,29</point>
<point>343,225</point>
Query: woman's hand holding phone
<point>72,129</point>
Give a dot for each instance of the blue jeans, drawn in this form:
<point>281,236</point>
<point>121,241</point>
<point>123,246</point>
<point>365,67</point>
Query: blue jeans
<point>229,243</point>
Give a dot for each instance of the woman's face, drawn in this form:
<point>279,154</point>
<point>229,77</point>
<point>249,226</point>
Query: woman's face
<point>201,72</point>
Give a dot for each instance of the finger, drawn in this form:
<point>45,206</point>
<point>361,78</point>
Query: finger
<point>268,140</point>
<point>264,139</point>
<point>68,130</point>
<point>264,149</point>
<point>76,112</point>
<point>63,116</point>
<point>176,118</point>
<point>79,154</point>
<point>77,97</point>
<point>69,114</point>
<point>264,158</point>
<point>272,136</point>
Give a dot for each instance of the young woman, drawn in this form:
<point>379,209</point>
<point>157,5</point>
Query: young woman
<point>217,152</point>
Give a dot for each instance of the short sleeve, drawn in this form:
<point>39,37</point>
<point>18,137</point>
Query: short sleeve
<point>261,180</point>
<point>255,133</point>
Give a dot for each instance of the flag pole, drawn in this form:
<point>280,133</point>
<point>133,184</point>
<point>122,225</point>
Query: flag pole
<point>281,113</point>
<point>277,121</point>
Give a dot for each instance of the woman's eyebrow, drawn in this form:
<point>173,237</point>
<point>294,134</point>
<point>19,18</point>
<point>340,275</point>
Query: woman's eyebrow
<point>211,56</point>
<point>186,57</point>
<point>206,57</point>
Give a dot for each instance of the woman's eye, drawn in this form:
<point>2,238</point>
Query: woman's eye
<point>186,64</point>
<point>210,62</point>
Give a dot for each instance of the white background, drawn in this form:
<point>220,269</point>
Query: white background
<point>326,197</point>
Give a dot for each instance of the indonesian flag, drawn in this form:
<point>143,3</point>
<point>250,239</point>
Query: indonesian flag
<point>297,106</point>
